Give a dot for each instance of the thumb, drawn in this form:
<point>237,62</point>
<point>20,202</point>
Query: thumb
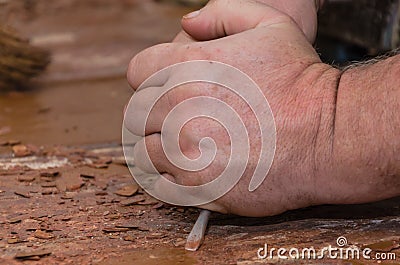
<point>219,19</point>
<point>223,18</point>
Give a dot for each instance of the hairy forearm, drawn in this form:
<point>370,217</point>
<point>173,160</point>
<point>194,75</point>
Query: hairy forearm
<point>366,132</point>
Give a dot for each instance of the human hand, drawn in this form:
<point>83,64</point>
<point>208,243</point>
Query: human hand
<point>301,92</point>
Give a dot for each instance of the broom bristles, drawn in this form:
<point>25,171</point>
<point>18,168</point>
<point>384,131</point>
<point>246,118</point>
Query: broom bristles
<point>19,61</point>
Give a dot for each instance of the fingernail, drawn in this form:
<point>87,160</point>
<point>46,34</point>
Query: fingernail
<point>192,15</point>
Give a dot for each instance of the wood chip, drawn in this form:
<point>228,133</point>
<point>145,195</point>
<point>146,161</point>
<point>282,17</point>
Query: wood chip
<point>143,229</point>
<point>34,258</point>
<point>31,225</point>
<point>50,174</point>
<point>47,192</point>
<point>50,184</point>
<point>132,201</point>
<point>67,197</point>
<point>158,205</point>
<point>14,240</point>
<point>114,216</point>
<point>26,178</point>
<point>15,220</point>
<point>128,226</point>
<point>129,238</point>
<point>156,236</point>
<point>22,194</point>
<point>46,179</point>
<point>98,166</point>
<point>115,229</point>
<point>42,235</point>
<point>179,242</point>
<point>21,151</point>
<point>74,186</point>
<point>128,190</point>
<point>104,160</point>
<point>149,201</point>
<point>10,143</point>
<point>86,176</point>
<point>32,253</point>
<point>69,182</point>
<point>39,214</point>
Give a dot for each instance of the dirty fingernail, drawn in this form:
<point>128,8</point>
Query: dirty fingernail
<point>192,15</point>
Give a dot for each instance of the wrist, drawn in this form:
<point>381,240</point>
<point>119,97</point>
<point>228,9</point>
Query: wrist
<point>366,144</point>
<point>321,82</point>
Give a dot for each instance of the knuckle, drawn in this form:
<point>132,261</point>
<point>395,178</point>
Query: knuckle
<point>142,60</point>
<point>132,70</point>
<point>195,51</point>
<point>188,138</point>
<point>144,154</point>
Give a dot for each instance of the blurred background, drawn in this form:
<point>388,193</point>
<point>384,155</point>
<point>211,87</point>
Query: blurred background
<point>80,97</point>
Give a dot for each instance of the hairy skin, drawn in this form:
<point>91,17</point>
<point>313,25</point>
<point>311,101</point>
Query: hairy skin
<point>324,151</point>
<point>366,146</point>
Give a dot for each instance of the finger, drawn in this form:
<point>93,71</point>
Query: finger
<point>223,18</point>
<point>164,189</point>
<point>139,63</point>
<point>150,61</point>
<point>149,156</point>
<point>146,111</point>
<point>149,108</point>
<point>173,193</point>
